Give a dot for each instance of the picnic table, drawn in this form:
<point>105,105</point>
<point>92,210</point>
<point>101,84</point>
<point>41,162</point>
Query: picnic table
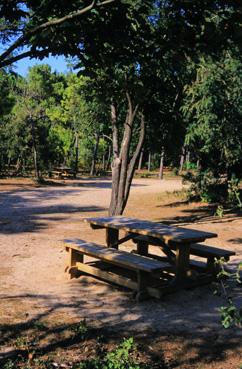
<point>155,274</point>
<point>62,172</point>
<point>161,235</point>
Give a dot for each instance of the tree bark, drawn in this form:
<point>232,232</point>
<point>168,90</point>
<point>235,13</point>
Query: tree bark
<point>94,157</point>
<point>34,148</point>
<point>122,165</point>
<point>149,162</point>
<point>141,159</point>
<point>182,159</point>
<point>161,163</point>
<point>76,153</point>
<point>109,158</point>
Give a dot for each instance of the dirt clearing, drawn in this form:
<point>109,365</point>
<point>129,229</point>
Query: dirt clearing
<point>34,221</point>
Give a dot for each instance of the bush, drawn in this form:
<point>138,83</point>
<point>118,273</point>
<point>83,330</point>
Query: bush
<point>206,187</point>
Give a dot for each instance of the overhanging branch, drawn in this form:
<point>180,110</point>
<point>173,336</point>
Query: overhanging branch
<point>54,22</point>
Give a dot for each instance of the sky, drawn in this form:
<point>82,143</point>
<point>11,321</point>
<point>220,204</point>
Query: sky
<point>57,64</point>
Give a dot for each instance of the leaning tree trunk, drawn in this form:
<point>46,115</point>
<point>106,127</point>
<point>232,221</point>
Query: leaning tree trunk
<point>123,166</point>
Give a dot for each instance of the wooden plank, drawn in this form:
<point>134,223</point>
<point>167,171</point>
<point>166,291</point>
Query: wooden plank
<point>107,276</point>
<point>117,257</point>
<point>158,230</point>
<point>119,280</point>
<point>207,251</point>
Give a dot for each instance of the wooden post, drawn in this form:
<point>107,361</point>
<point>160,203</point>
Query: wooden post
<point>112,237</point>
<point>73,258</point>
<point>182,262</point>
<point>142,248</point>
<point>142,279</point>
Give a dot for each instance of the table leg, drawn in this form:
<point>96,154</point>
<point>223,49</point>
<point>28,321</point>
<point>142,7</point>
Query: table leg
<point>112,237</point>
<point>182,262</point>
<point>142,248</point>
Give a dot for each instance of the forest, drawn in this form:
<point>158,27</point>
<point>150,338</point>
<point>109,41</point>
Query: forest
<point>137,146</point>
<point>150,84</point>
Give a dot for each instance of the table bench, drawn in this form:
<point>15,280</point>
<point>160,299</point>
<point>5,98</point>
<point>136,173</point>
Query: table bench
<point>210,253</point>
<point>147,270</point>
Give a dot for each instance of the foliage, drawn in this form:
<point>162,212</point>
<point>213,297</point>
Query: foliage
<point>205,187</point>
<point>234,191</point>
<point>212,107</point>
<point>120,358</point>
<point>230,314</point>
<point>220,211</point>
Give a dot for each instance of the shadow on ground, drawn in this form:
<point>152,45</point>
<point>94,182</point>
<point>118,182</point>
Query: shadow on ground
<point>25,210</point>
<point>207,343</point>
<point>200,214</point>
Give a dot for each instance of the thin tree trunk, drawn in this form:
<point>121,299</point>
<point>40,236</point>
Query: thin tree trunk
<point>141,159</point>
<point>76,153</point>
<point>109,158</point>
<point>116,161</point>
<point>36,167</point>
<point>94,157</point>
<point>188,156</point>
<point>149,162</point>
<point>182,159</point>
<point>161,163</point>
<point>35,157</point>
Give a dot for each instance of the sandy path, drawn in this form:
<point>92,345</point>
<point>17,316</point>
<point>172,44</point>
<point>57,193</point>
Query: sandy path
<point>34,222</point>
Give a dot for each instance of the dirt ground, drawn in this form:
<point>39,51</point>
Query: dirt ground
<point>35,220</point>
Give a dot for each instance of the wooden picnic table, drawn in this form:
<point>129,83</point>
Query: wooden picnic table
<point>157,234</point>
<point>63,172</point>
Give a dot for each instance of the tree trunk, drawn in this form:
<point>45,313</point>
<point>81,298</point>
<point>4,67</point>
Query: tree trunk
<point>188,156</point>
<point>34,148</point>
<point>161,163</point>
<point>94,156</point>
<point>141,159</point>
<point>36,166</point>
<point>182,159</point>
<point>76,153</point>
<point>149,162</point>
<point>123,166</point>
<point>107,165</point>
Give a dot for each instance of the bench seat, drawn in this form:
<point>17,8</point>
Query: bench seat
<point>144,267</point>
<point>210,253</point>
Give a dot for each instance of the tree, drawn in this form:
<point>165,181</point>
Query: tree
<point>213,109</point>
<point>28,29</point>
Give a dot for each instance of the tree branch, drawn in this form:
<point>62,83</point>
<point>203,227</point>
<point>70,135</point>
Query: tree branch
<point>22,39</point>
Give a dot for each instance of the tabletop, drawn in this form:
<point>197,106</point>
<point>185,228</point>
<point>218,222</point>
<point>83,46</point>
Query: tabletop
<point>150,228</point>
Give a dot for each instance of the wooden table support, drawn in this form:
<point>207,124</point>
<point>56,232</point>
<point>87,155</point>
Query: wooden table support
<point>112,237</point>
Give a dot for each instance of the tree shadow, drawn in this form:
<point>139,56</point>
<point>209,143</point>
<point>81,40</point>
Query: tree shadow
<point>202,214</point>
<point>152,323</point>
<point>30,210</point>
<point>237,240</point>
